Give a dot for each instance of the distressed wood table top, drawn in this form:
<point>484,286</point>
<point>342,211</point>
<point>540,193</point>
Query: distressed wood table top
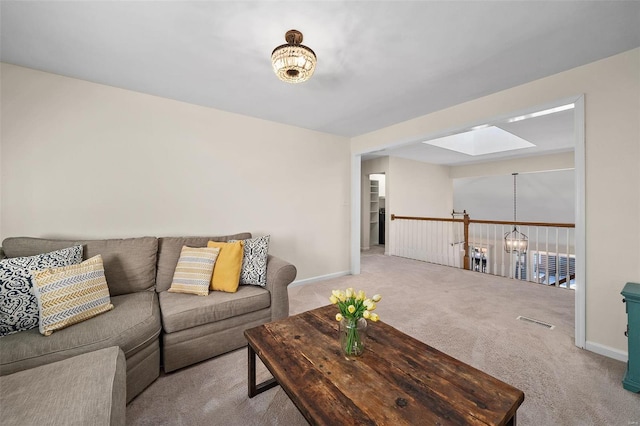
<point>398,380</point>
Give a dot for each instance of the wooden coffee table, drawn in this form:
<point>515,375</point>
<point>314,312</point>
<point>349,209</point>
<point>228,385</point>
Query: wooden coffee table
<point>397,381</point>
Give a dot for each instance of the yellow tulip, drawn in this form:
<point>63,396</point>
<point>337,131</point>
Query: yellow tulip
<point>368,303</point>
<point>349,293</point>
<point>342,297</point>
<point>366,314</point>
<point>376,298</point>
<point>374,317</point>
<point>372,307</point>
<point>336,293</point>
<point>361,295</point>
<point>338,317</point>
<point>351,309</point>
<point>333,299</point>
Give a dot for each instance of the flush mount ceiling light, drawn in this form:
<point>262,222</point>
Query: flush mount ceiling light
<point>293,62</point>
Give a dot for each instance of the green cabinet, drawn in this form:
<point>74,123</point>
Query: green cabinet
<point>631,293</point>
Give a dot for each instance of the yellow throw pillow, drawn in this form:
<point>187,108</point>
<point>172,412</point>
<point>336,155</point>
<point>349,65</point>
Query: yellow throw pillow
<point>226,272</point>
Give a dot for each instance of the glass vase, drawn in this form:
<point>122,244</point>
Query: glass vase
<point>353,336</point>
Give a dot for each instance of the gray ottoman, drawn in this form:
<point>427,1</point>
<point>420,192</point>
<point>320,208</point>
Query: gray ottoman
<point>82,390</point>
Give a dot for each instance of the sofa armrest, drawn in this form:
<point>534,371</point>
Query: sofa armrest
<point>280,274</point>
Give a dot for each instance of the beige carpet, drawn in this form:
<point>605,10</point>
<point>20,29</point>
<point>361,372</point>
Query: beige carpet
<point>467,315</point>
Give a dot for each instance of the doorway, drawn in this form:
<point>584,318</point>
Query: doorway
<point>360,160</point>
<point>377,185</point>
<point>373,227</point>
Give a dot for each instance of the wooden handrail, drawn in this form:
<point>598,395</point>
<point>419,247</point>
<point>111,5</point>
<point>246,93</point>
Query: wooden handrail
<point>490,222</point>
<point>436,219</point>
<point>564,280</point>
<point>505,222</point>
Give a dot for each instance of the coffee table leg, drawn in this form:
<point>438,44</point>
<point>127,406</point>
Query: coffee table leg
<point>251,379</point>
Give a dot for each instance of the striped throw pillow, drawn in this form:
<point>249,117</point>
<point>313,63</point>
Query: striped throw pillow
<point>194,270</point>
<point>71,294</point>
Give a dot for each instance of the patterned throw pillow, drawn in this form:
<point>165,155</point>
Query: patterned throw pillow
<point>71,294</point>
<point>18,304</point>
<point>254,262</point>
<point>194,269</point>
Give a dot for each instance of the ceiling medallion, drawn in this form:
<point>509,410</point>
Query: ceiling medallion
<point>293,62</point>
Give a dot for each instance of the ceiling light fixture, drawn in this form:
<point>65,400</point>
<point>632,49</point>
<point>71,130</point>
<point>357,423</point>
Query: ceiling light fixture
<point>293,62</point>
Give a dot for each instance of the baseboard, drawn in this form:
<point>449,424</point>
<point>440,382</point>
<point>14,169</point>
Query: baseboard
<point>319,278</point>
<point>607,351</point>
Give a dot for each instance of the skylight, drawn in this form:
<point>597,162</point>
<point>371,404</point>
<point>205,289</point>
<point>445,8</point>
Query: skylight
<point>481,141</point>
<point>541,113</point>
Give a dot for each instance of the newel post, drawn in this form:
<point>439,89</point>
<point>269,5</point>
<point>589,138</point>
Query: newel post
<point>466,241</point>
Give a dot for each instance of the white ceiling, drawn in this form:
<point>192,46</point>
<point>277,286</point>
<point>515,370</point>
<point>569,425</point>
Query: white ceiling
<point>379,62</point>
<point>549,134</point>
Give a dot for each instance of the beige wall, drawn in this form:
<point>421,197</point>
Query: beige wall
<point>418,189</point>
<point>80,159</point>
<point>612,132</point>
<point>413,188</point>
<point>560,161</point>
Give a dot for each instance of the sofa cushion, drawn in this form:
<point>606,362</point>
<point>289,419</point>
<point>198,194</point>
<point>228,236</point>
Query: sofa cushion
<point>181,311</point>
<point>129,264</point>
<point>194,269</point>
<point>71,294</point>
<point>169,251</point>
<point>226,273</point>
<point>82,390</point>
<point>132,325</point>
<point>18,303</point>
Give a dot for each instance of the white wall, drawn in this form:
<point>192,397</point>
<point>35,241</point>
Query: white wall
<point>80,159</point>
<point>485,190</point>
<point>612,130</point>
<point>541,196</point>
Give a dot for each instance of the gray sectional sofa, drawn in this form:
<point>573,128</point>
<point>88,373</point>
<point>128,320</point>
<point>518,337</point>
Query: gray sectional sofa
<point>151,326</point>
<point>87,389</point>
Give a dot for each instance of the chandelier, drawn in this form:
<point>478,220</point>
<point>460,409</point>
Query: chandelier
<point>515,241</point>
<point>293,62</point>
